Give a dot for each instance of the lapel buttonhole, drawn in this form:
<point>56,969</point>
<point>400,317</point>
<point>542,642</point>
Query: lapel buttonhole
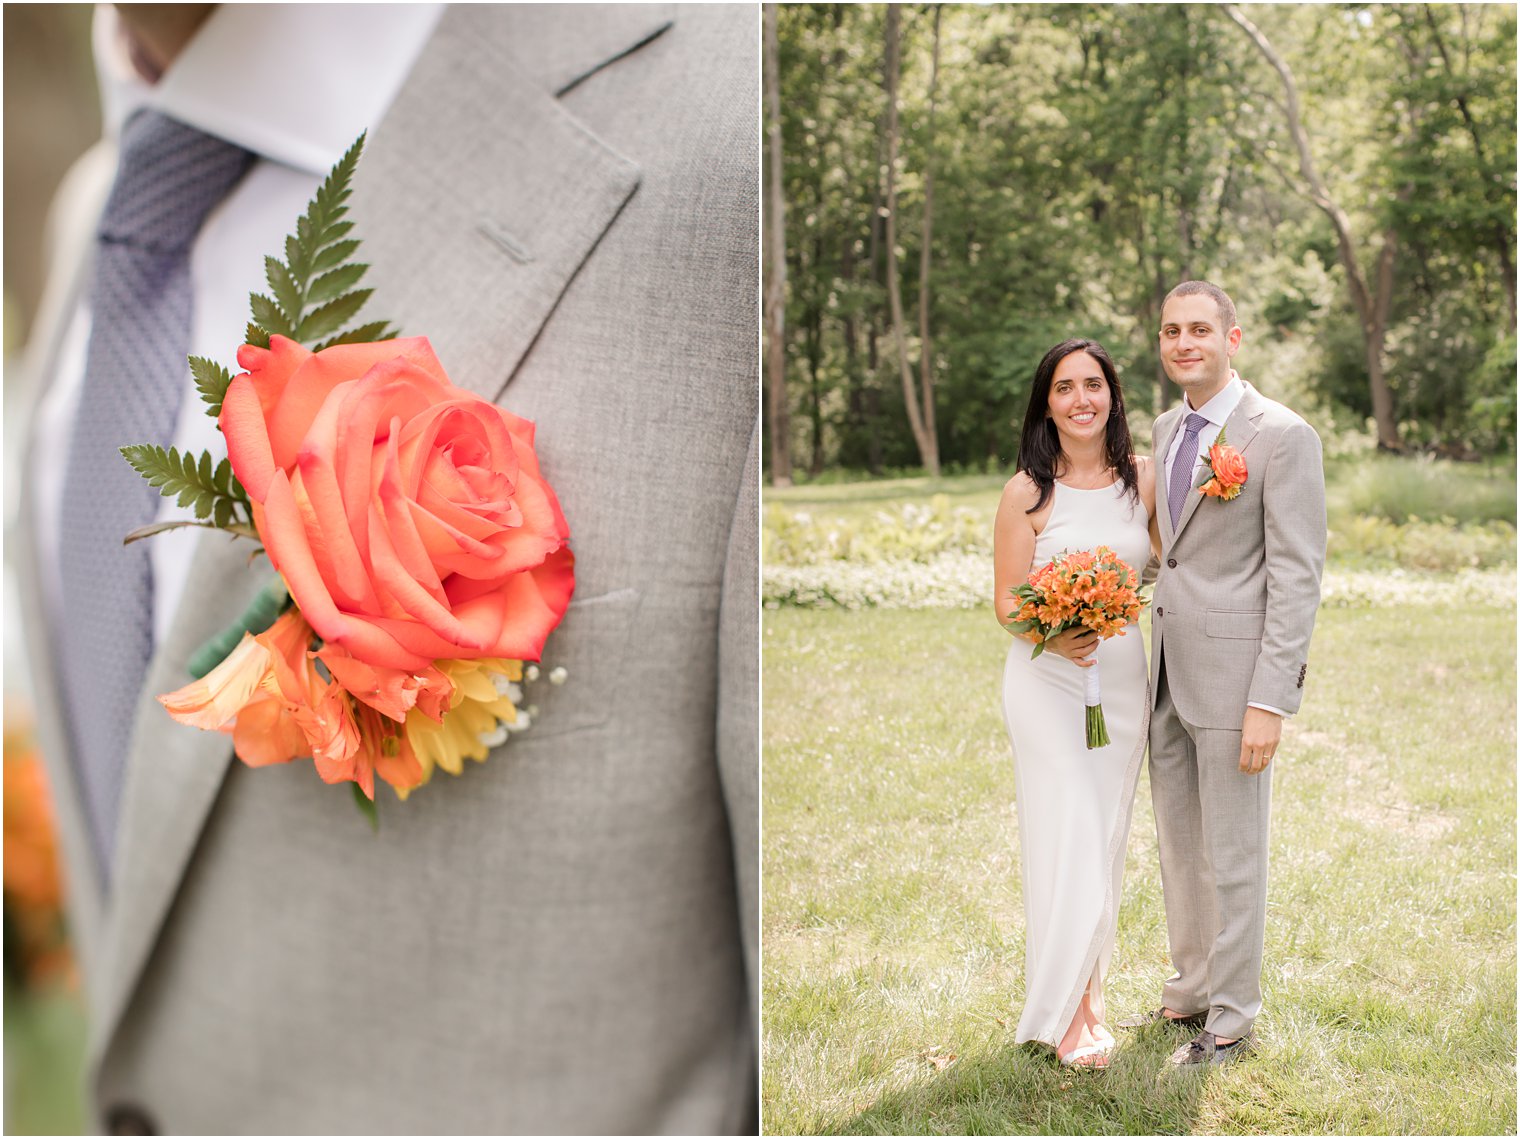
<point>507,243</point>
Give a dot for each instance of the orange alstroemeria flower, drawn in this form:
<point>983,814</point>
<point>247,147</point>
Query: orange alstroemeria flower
<point>270,697</point>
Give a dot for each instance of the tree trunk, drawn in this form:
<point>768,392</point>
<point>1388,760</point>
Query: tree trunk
<point>877,276</point>
<point>925,442</point>
<point>1371,311</point>
<point>775,292</point>
<point>925,342</point>
<point>815,383</point>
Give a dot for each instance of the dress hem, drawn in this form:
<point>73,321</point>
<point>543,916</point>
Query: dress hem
<point>1117,843</point>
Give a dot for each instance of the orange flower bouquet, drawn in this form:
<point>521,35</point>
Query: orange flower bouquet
<point>1226,471</point>
<point>423,558</point>
<point>1095,589</point>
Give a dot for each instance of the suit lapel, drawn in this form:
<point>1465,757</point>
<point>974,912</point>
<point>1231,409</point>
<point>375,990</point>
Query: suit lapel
<point>1239,430</point>
<point>173,774</point>
<point>1163,443</point>
<point>473,262</point>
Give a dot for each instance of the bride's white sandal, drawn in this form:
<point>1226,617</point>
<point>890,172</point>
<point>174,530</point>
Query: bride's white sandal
<point>1092,1056</point>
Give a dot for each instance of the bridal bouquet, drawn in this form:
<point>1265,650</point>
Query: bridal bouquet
<point>1095,589</point>
<point>422,557</point>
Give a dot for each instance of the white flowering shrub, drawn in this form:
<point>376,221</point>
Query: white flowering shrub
<point>964,581</point>
<point>1469,588</point>
<point>949,581</point>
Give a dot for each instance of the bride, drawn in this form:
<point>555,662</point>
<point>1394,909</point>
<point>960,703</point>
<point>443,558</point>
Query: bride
<point>1078,486</point>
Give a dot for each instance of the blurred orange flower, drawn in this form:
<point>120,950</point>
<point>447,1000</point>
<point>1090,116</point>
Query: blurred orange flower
<point>31,854</point>
<point>33,884</point>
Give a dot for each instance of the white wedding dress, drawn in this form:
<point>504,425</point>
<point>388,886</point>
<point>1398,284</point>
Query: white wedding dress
<point>1074,804</point>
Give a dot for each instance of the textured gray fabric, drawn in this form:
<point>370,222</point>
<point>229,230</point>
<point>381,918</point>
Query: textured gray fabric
<point>557,940</point>
<point>1231,617</point>
<point>1239,603</point>
<point>169,178</point>
<point>1181,483</point>
<point>1213,868</point>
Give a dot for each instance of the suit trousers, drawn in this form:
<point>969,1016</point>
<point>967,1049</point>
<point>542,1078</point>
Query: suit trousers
<point>1211,827</point>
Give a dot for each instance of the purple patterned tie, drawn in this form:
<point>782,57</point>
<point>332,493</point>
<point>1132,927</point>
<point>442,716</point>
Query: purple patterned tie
<point>169,178</point>
<point>1182,466</point>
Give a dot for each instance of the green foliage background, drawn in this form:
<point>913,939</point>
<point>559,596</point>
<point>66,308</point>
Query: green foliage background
<point>1087,157</point>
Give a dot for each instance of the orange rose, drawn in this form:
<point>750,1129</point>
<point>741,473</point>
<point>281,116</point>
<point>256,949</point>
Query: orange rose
<point>407,516</point>
<point>1228,467</point>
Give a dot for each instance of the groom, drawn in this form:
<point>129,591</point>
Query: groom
<point>1232,614</point>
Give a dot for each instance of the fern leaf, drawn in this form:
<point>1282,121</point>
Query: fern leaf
<point>335,284</point>
<point>334,191</point>
<point>212,381</point>
<point>332,316</point>
<point>332,256</point>
<point>313,289</point>
<point>287,294</point>
<point>269,316</point>
<point>256,336</point>
<point>364,334</point>
<point>333,232</point>
<point>296,259</point>
<point>188,479</point>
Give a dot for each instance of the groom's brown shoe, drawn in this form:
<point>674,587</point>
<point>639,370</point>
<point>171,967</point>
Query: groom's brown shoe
<point>1158,1016</point>
<point>1206,1049</point>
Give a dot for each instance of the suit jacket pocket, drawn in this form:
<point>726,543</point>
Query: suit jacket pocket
<point>590,645</point>
<point>1235,624</point>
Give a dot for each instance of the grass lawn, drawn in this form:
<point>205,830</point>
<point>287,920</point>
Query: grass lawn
<point>893,939</point>
<point>44,1061</point>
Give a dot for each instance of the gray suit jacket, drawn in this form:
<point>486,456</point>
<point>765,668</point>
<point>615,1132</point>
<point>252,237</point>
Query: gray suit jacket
<point>564,200</point>
<point>1239,584</point>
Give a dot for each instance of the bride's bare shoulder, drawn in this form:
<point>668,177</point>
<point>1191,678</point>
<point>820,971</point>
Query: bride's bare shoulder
<point>1020,492</point>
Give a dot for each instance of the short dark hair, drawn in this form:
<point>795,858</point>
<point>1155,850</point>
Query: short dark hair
<point>1040,444</point>
<point>1220,298</point>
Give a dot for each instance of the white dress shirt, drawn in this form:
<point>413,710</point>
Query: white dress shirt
<point>1216,411</point>
<point>294,83</point>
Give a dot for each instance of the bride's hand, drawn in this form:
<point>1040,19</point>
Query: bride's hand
<point>1076,644</point>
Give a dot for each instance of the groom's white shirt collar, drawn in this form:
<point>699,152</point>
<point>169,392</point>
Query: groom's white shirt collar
<point>294,83</point>
<point>1217,410</point>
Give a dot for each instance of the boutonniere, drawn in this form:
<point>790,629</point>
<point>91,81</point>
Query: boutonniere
<point>422,558</point>
<point>1226,471</point>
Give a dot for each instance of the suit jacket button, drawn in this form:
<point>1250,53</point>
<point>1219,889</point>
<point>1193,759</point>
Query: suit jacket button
<point>1160,612</point>
<point>128,1119</point>
<point>1171,563</point>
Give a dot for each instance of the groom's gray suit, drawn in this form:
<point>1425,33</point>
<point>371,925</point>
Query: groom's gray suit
<point>1231,617</point>
<point>560,940</point>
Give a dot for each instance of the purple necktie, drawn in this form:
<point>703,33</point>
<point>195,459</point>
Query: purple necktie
<point>169,177</point>
<point>1182,466</point>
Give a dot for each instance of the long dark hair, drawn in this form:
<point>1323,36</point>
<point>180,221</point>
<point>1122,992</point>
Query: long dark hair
<point>1040,446</point>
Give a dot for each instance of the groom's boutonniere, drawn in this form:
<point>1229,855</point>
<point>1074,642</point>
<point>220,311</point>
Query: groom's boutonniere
<point>422,558</point>
<point>1227,471</point>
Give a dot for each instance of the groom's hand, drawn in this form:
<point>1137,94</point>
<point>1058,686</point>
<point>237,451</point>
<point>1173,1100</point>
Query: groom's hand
<point>1076,645</point>
<point>1259,735</point>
